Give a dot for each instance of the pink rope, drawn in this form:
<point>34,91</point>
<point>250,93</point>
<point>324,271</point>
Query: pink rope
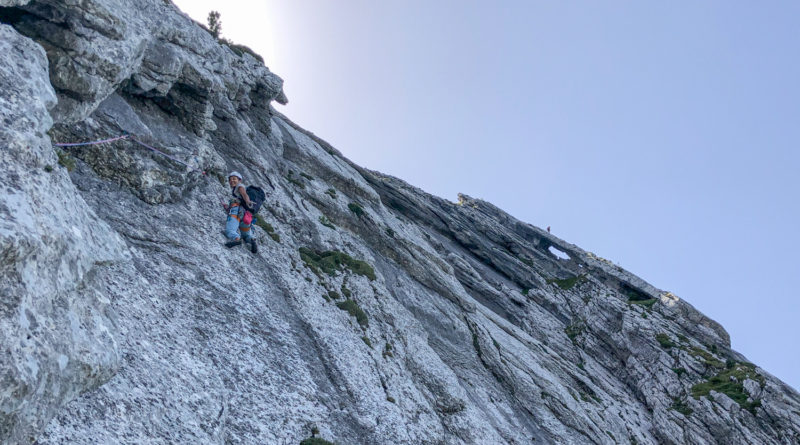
<point>166,155</point>
<point>125,136</point>
<point>103,141</point>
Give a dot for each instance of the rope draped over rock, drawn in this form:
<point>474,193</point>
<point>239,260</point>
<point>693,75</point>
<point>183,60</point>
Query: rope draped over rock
<point>127,136</point>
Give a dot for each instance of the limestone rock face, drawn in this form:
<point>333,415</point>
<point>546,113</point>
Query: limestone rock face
<point>373,311</point>
<point>56,338</point>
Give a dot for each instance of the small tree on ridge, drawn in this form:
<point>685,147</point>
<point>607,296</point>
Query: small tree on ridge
<point>214,24</point>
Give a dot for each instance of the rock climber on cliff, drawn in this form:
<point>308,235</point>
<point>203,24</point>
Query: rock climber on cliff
<point>237,227</point>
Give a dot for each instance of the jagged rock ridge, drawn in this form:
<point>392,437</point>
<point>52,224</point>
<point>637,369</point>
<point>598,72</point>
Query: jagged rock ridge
<point>124,320</point>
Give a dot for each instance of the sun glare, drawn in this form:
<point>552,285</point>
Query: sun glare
<point>245,22</point>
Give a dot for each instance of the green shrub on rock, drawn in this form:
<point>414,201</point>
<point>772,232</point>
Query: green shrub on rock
<point>356,209</point>
<point>354,310</point>
<point>332,260</point>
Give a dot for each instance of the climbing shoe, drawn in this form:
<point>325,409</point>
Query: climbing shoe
<point>235,243</point>
<point>253,246</point>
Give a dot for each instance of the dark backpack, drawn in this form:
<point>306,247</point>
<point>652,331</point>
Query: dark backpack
<point>256,196</point>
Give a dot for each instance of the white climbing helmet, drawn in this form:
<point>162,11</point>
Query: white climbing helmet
<point>237,174</point>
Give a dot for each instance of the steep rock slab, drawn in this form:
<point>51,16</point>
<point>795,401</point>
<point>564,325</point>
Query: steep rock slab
<point>56,340</point>
<point>443,323</point>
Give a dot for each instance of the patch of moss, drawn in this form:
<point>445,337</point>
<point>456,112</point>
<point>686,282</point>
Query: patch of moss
<point>390,399</point>
<point>331,192</point>
<point>390,232</point>
<point>332,260</point>
<point>680,371</point>
<point>307,176</point>
<point>648,304</point>
<point>295,180</point>
<point>387,350</point>
<point>334,295</point>
<point>729,382</point>
<point>525,291</point>
<point>66,160</point>
<point>367,341</point>
<point>708,359</point>
<point>356,209</point>
<point>476,344</point>
<point>352,308</point>
<point>574,330</point>
<point>326,222</point>
<point>346,292</point>
<point>567,283</point>
<point>525,260</point>
<point>681,407</point>
<point>48,168</point>
<point>267,228</point>
<point>664,341</point>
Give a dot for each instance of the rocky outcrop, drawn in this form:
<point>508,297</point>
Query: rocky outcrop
<point>373,311</point>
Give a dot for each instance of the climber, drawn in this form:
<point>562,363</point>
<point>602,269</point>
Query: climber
<point>239,218</point>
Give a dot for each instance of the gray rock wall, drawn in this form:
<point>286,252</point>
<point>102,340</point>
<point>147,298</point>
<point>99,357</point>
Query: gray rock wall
<point>125,320</point>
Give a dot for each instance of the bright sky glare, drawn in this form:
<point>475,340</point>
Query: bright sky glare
<point>662,137</point>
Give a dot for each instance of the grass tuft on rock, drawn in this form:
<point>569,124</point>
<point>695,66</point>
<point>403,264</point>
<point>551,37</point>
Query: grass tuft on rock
<point>681,407</point>
<point>356,209</point>
<point>241,50</point>
<point>326,222</point>
<point>664,340</point>
<point>295,180</point>
<point>567,283</point>
<point>648,304</point>
<point>66,160</point>
<point>267,227</point>
<point>730,382</point>
<point>708,358</point>
<point>331,192</point>
<point>574,330</point>
<point>332,260</point>
<point>352,308</point>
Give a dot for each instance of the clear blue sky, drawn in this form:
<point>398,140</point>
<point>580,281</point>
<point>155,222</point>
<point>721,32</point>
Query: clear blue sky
<point>663,137</point>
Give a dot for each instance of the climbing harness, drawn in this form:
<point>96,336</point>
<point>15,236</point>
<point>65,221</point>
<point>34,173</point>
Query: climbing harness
<point>127,136</point>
